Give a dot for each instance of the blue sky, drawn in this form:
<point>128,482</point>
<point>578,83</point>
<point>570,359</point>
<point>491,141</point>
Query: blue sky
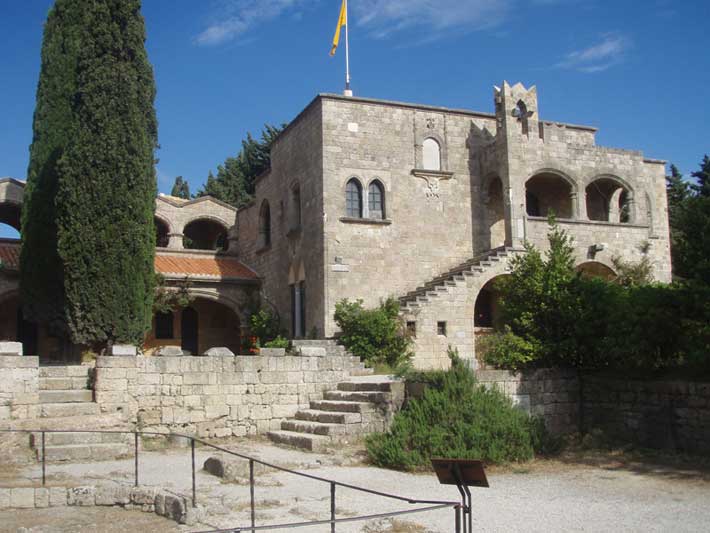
<point>638,70</point>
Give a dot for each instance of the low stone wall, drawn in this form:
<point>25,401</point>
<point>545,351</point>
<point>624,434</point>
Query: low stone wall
<point>547,393</point>
<point>150,500</point>
<point>19,387</point>
<point>216,396</point>
<point>657,414</point>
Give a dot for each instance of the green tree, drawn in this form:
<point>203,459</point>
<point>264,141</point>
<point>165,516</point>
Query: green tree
<point>41,269</point>
<point>234,182</point>
<point>103,175</point>
<point>181,188</point>
<point>702,188</point>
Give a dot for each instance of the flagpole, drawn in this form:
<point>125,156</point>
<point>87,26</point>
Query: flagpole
<point>348,91</point>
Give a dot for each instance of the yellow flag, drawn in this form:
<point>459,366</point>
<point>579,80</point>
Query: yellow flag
<point>342,21</point>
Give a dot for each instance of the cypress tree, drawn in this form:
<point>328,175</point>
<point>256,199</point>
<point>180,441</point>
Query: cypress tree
<point>104,176</point>
<point>41,279</point>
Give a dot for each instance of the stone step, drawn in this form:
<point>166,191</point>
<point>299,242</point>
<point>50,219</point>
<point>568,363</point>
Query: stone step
<point>315,428</point>
<point>328,417</point>
<point>342,406</point>
<point>305,441</point>
<point>58,410</point>
<point>64,439</point>
<point>356,396</point>
<point>365,386</point>
<point>85,452</point>
<point>362,371</point>
<point>66,396</point>
<point>67,383</point>
<point>67,371</point>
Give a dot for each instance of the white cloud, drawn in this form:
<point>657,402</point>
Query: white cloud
<point>236,17</point>
<point>432,17</point>
<point>599,57</point>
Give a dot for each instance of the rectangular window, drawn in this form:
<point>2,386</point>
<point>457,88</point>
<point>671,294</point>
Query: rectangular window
<point>412,328</point>
<point>441,328</point>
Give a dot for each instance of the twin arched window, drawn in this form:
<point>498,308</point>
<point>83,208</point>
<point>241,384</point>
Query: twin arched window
<point>354,205</point>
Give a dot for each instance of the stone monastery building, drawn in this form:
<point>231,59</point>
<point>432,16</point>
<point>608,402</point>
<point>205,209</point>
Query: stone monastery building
<point>367,199</point>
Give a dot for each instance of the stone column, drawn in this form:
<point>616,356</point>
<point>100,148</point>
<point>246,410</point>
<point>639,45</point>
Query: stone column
<point>175,241</point>
<point>574,199</point>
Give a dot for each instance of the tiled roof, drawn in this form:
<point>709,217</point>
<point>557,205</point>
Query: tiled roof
<point>10,254</point>
<point>217,267</point>
<point>209,267</point>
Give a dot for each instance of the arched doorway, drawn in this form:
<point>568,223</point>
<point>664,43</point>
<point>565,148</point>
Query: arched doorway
<point>190,331</point>
<point>595,269</point>
<point>548,193</point>
<point>486,315</point>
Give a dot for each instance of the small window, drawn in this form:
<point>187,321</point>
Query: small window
<point>265,224</point>
<point>164,326</point>
<point>431,154</point>
<point>441,328</point>
<point>353,199</point>
<point>376,200</point>
<point>412,328</point>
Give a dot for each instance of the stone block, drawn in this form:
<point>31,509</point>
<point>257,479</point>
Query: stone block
<point>310,351</point>
<point>41,498</point>
<point>58,497</point>
<point>22,498</point>
<point>116,362</point>
<point>81,496</point>
<point>219,352</point>
<point>5,498</point>
<point>272,352</point>
<point>122,350</point>
<point>170,351</point>
<point>142,496</point>
<point>11,348</point>
<point>174,508</point>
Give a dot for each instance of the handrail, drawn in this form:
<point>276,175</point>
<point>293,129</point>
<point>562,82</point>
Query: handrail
<point>431,504</point>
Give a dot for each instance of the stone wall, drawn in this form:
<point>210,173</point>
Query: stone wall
<point>550,394</point>
<point>19,387</point>
<point>215,396</point>
<point>657,414</point>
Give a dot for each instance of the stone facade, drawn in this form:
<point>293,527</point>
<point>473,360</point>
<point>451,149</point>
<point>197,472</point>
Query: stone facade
<point>215,396</point>
<point>497,177</point>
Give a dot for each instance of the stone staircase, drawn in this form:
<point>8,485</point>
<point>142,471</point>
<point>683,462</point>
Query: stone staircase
<point>361,405</point>
<point>66,402</point>
<point>462,274</point>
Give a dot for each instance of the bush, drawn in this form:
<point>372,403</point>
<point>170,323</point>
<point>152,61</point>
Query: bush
<point>460,419</point>
<point>278,342</point>
<point>264,326</point>
<point>507,350</point>
<point>377,336</point>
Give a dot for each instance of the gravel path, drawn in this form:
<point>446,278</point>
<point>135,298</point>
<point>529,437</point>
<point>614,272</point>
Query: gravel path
<point>551,496</point>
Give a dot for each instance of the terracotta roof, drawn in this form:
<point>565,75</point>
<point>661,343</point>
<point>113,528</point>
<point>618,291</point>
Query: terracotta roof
<point>210,267</point>
<point>10,254</point>
<point>217,267</point>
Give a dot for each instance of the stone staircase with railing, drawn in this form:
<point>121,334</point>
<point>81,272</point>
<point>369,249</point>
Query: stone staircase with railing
<point>66,401</point>
<point>358,406</point>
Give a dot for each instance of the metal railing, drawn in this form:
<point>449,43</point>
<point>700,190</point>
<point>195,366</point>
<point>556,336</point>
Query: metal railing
<point>431,505</point>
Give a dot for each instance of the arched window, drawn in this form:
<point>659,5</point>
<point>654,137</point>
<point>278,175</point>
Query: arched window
<point>353,199</point>
<point>265,224</point>
<point>431,154</point>
<point>376,200</point>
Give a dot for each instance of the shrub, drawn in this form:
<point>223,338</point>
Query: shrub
<point>375,335</point>
<point>278,342</point>
<point>264,326</point>
<point>457,418</point>
<point>505,349</point>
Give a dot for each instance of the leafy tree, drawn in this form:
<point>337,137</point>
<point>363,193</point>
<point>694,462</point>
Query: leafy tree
<point>234,182</point>
<point>693,248</point>
<point>677,190</point>
<point>102,194</point>
<point>702,188</point>
<point>41,269</point>
<point>181,188</point>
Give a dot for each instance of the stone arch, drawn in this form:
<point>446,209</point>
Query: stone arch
<point>162,231</point>
<point>609,198</point>
<point>223,299</point>
<point>205,232</point>
<point>431,154</point>
<point>10,216</point>
<point>551,190</point>
<point>596,269</point>
<point>486,306</point>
